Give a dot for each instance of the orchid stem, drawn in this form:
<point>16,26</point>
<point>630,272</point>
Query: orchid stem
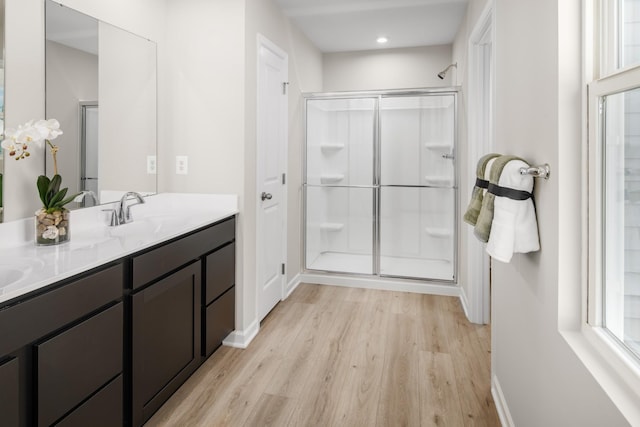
<point>54,152</point>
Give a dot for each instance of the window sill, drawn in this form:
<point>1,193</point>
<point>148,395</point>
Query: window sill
<point>617,372</point>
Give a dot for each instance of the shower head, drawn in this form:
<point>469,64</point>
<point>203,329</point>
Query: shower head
<point>443,73</point>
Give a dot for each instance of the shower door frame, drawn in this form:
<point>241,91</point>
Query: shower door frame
<point>376,187</point>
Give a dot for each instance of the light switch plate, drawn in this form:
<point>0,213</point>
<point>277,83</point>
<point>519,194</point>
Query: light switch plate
<point>152,166</point>
<point>182,165</point>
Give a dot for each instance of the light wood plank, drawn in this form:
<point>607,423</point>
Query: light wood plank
<point>439,403</point>
<point>399,402</point>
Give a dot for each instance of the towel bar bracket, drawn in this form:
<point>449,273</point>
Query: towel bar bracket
<point>541,171</point>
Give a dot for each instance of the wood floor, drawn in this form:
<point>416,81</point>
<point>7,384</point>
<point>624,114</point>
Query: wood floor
<point>332,356</point>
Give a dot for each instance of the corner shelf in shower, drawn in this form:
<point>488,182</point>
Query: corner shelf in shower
<point>331,178</point>
<point>438,180</point>
<point>331,226</point>
<point>330,147</point>
<point>438,232</point>
<point>438,145</point>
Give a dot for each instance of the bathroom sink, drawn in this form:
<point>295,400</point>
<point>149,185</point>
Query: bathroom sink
<point>10,275</point>
<point>13,270</point>
<point>147,227</point>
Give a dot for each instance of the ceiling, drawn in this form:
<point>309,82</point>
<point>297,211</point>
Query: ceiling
<point>351,25</point>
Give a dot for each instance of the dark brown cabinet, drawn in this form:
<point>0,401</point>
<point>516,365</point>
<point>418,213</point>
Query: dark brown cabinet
<point>178,310</point>
<point>166,338</point>
<point>219,300</point>
<point>109,346</point>
<point>10,391</point>
<point>74,364</point>
<point>63,347</point>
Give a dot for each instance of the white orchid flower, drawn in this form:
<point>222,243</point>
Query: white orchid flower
<point>49,129</point>
<point>17,140</point>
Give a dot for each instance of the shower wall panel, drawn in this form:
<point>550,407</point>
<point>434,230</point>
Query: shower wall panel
<point>339,185</point>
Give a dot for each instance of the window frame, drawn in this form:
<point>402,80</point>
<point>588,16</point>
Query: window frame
<point>603,78</point>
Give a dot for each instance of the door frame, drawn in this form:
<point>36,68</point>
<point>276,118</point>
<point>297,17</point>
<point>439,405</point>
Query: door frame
<point>262,41</point>
<point>481,74</point>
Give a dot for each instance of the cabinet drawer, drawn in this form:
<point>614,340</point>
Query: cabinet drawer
<point>104,409</point>
<point>221,272</point>
<point>30,320</point>
<point>78,361</point>
<point>9,390</point>
<point>219,320</point>
<point>159,261</point>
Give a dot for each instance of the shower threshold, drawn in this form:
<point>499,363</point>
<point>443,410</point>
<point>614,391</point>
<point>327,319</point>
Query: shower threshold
<point>407,267</point>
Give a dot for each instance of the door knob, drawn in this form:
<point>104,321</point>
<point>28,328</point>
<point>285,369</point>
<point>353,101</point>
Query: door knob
<point>266,196</point>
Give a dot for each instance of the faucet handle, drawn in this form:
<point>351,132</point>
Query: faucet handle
<point>114,220</point>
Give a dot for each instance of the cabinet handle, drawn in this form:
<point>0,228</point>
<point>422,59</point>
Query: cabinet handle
<point>266,196</point>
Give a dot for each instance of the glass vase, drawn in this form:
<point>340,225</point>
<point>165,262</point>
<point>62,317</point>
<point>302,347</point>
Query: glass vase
<point>52,228</point>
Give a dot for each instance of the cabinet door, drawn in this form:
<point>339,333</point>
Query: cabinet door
<point>166,338</point>
<point>9,389</point>
<point>74,364</point>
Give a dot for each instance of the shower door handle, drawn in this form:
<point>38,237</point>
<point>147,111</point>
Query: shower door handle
<point>266,196</point>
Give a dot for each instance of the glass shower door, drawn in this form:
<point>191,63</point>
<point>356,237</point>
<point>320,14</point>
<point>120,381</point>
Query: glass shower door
<point>339,185</point>
<point>417,186</point>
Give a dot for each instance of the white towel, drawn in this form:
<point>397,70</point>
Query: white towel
<point>514,228</point>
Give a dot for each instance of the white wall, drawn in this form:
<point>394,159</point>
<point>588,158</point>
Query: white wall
<point>24,99</point>
<point>387,69</point>
<point>538,117</point>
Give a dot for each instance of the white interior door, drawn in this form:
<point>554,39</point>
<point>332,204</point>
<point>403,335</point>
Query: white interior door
<point>271,168</point>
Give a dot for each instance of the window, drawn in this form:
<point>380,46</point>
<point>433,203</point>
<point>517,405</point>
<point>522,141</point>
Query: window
<point>614,178</point>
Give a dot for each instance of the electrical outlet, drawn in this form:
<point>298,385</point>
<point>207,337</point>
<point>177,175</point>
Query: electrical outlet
<point>152,167</point>
<point>182,165</point>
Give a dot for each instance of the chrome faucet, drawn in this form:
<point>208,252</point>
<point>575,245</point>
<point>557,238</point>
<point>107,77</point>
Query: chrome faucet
<point>124,210</point>
<point>83,194</point>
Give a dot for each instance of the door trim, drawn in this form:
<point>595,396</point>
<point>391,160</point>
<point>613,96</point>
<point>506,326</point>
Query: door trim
<point>478,262</point>
<point>262,41</point>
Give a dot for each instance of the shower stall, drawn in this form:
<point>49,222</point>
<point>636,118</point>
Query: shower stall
<point>380,192</point>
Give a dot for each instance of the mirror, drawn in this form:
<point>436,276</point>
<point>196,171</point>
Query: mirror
<point>101,87</point>
<point>1,101</point>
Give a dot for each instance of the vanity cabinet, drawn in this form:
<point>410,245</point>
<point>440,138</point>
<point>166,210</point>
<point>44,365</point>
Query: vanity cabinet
<point>169,289</point>
<point>166,338</point>
<point>62,350</point>
<point>109,346</point>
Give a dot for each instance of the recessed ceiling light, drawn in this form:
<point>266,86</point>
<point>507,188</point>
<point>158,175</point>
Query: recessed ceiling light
<point>382,39</point>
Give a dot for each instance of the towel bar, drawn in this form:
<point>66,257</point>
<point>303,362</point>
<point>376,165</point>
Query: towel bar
<point>541,171</point>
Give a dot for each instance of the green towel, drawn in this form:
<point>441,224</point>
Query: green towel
<point>485,218</point>
<point>471,216</point>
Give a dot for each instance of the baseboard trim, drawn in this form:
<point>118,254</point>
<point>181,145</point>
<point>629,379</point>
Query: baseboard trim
<point>386,284</point>
<point>464,302</point>
<point>501,403</point>
<point>242,339</point>
<point>291,286</point>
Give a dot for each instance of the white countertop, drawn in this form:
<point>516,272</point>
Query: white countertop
<point>25,267</point>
